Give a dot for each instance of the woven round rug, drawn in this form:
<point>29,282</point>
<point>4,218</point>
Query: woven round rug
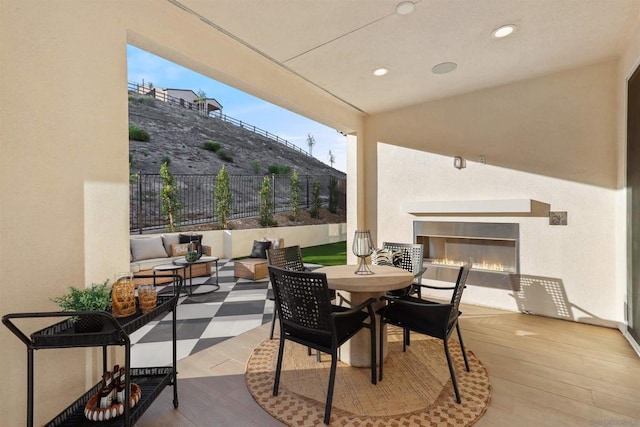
<point>416,389</point>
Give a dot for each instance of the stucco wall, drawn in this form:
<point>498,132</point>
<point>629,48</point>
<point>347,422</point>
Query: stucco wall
<point>551,139</point>
<point>64,167</point>
<point>577,259</point>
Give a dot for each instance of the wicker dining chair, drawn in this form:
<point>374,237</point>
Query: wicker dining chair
<point>435,319</point>
<point>307,317</point>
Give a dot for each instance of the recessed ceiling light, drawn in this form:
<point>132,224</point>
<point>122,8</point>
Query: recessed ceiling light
<point>444,68</point>
<point>380,71</point>
<point>405,7</point>
<point>504,31</point>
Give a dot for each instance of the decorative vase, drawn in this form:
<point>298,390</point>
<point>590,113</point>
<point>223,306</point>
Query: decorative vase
<point>123,296</point>
<point>87,323</point>
<point>362,248</point>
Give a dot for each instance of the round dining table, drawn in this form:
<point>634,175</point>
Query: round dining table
<point>353,289</point>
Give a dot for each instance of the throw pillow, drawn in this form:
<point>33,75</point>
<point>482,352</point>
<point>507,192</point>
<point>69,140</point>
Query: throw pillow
<point>386,257</point>
<point>275,242</point>
<point>259,249</point>
<point>192,238</point>
<point>170,239</point>
<point>147,248</point>
<point>180,249</point>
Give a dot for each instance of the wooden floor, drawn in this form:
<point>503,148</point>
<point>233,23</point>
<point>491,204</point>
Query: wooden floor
<point>544,372</point>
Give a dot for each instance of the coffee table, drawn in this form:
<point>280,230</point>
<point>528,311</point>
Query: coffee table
<point>183,263</point>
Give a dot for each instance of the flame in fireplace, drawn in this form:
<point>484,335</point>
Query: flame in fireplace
<point>477,265</point>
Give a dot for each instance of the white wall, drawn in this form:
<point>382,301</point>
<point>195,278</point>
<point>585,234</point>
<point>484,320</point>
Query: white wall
<point>581,255</point>
<point>553,139</point>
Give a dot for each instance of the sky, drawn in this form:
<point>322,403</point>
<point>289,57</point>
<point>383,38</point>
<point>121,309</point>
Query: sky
<point>144,66</point>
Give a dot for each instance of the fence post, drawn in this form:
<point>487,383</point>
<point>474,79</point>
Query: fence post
<point>140,217</point>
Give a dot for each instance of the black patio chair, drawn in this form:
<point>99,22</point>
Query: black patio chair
<point>435,319</point>
<point>289,258</point>
<point>307,317</point>
<point>411,261</point>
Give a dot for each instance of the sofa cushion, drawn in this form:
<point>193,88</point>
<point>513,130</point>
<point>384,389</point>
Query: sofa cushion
<point>259,249</point>
<point>146,248</point>
<point>170,239</point>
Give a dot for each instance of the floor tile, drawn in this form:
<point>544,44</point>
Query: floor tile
<point>247,295</point>
<point>160,353</point>
<point>185,329</point>
<point>237,308</point>
<point>232,325</point>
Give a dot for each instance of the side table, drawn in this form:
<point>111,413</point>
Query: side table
<point>173,268</point>
<point>183,263</point>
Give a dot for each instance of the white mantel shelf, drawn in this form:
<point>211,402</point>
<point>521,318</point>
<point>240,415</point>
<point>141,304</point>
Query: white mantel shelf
<point>514,207</point>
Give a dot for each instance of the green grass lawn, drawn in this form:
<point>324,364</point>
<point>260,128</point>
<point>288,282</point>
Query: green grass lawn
<point>331,254</point>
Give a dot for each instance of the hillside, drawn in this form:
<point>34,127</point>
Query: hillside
<point>179,134</point>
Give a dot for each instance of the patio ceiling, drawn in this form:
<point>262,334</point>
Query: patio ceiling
<point>336,44</point>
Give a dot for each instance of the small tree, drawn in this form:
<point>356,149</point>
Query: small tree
<point>333,194</point>
<point>266,203</point>
<point>294,196</point>
<point>223,197</point>
<point>315,200</point>
<point>311,141</point>
<point>170,204</point>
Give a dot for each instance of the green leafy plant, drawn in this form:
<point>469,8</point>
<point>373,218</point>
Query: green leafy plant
<point>279,170</point>
<point>212,146</point>
<point>138,134</point>
<point>266,204</point>
<point>166,159</point>
<point>170,198</point>
<point>225,156</point>
<point>255,165</point>
<point>224,199</point>
<point>333,194</point>
<point>314,211</point>
<point>294,196</point>
<point>94,298</point>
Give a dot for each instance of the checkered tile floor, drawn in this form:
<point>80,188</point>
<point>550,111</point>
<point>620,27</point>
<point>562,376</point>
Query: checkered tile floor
<point>205,320</point>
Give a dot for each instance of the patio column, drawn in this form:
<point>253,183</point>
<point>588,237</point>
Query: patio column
<point>362,187</point>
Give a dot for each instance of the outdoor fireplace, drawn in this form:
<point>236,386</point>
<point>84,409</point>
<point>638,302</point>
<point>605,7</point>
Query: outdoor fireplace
<point>492,248</point>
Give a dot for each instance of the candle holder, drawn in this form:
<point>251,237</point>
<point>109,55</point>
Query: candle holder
<point>362,248</point>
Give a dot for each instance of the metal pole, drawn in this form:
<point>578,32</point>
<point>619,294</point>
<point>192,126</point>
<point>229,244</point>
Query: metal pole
<point>140,219</point>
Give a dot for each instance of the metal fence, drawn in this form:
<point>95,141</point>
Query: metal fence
<point>196,193</point>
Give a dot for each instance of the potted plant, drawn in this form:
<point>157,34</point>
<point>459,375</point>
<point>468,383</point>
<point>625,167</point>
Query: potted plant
<point>97,297</point>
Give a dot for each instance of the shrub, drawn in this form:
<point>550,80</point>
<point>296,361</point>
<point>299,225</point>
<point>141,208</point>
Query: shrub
<point>266,204</point>
<point>137,134</point>
<point>222,194</point>
<point>212,146</point>
<point>166,159</point>
<point>294,196</point>
<point>225,156</point>
<point>315,200</point>
<point>279,170</point>
<point>255,165</point>
<point>333,194</point>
